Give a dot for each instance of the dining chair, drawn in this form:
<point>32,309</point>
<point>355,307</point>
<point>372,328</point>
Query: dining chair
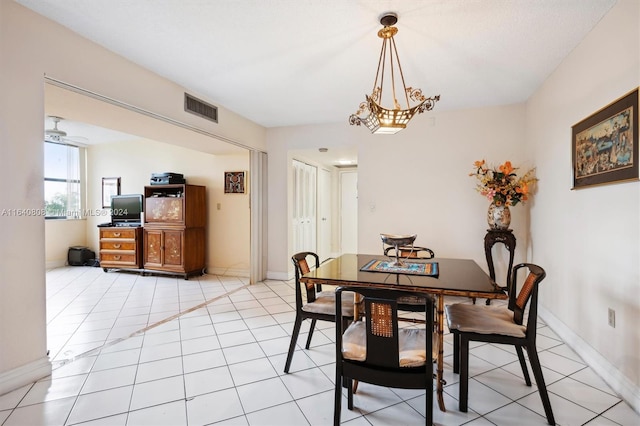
<point>315,305</point>
<point>504,325</point>
<point>410,303</point>
<point>376,350</point>
<point>410,252</point>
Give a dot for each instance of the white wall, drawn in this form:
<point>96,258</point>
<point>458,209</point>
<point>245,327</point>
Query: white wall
<point>133,161</point>
<point>32,47</point>
<point>589,239</point>
<point>416,181</point>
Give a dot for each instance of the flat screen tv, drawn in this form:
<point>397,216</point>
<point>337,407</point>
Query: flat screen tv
<point>126,209</point>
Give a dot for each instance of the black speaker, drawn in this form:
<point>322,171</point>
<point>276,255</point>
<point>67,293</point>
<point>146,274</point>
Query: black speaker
<point>80,256</point>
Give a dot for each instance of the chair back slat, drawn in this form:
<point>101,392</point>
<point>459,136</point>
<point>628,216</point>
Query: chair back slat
<point>383,348</point>
<point>302,267</point>
<point>528,295</point>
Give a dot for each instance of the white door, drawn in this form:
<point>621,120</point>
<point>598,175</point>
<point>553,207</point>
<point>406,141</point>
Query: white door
<point>304,207</point>
<point>324,214</point>
<point>349,212</point>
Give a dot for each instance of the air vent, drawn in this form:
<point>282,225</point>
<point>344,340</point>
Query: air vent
<point>200,108</point>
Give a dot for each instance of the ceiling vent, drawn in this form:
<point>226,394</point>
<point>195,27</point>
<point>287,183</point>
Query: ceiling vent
<point>200,108</point>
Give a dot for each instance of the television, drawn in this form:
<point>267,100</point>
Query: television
<point>126,210</point>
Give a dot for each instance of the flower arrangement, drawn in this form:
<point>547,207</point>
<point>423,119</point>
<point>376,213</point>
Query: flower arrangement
<point>502,185</point>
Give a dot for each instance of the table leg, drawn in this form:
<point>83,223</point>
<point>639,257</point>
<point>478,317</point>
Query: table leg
<point>440,369</point>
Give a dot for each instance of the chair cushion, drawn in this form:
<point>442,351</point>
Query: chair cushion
<point>410,340</point>
<point>483,319</point>
<point>325,303</point>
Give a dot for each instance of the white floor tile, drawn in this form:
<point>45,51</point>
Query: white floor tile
<point>307,382</point>
<point>46,413</point>
<point>515,413</point>
<point>207,381</point>
<point>214,407</point>
<point>263,394</point>
<point>622,414</point>
<point>157,392</point>
<point>101,404</point>
<point>242,353</point>
<point>154,370</point>
<point>591,398</point>
<point>252,371</point>
<point>185,366</point>
<point>203,360</point>
<point>169,414</point>
<point>399,414</point>
<point>109,379</point>
<point>48,389</point>
<point>11,399</point>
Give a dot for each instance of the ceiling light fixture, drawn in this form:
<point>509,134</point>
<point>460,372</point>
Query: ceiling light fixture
<point>381,120</point>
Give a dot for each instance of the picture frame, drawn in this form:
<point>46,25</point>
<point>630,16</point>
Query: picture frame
<point>234,182</point>
<point>110,187</point>
<point>605,144</point>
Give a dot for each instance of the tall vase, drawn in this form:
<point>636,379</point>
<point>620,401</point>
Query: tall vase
<point>498,216</point>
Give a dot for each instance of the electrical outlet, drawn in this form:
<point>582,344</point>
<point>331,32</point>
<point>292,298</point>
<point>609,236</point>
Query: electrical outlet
<point>612,318</point>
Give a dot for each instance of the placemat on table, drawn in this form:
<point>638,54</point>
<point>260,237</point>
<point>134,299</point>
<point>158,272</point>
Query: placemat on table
<point>387,266</point>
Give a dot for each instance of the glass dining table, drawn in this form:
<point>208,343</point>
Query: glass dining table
<point>449,277</point>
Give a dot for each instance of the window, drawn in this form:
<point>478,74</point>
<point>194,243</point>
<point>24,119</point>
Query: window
<point>62,182</point>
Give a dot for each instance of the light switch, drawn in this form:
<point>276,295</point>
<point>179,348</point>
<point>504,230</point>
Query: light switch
<point>218,206</point>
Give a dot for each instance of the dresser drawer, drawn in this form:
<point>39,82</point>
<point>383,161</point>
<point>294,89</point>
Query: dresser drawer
<point>118,233</point>
<point>124,258</point>
<point>115,244</point>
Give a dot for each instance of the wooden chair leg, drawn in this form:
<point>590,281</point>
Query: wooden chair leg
<point>292,345</point>
<point>523,365</point>
<point>542,387</point>
<point>313,326</point>
<point>464,374</point>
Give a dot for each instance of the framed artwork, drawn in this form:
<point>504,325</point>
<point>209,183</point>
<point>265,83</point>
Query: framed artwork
<point>110,187</point>
<point>234,182</point>
<point>605,144</point>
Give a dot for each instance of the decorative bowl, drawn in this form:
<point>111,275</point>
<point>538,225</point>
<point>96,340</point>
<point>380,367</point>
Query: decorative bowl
<point>398,240</point>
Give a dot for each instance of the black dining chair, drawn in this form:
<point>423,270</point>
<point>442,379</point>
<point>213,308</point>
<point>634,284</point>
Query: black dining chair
<point>375,350</point>
<point>315,304</point>
<point>501,324</point>
<point>411,303</point>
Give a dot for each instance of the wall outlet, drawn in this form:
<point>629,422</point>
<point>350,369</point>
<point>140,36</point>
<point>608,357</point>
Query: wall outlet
<point>612,318</point>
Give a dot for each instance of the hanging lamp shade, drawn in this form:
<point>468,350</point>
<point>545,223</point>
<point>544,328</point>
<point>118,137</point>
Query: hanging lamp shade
<point>371,113</point>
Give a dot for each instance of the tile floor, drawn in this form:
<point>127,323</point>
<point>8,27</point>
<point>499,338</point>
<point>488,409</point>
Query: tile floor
<point>156,350</point>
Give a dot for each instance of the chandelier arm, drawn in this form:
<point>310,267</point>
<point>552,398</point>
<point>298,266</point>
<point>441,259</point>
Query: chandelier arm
<point>385,48</point>
<point>393,74</point>
<point>380,66</point>
<point>404,86</point>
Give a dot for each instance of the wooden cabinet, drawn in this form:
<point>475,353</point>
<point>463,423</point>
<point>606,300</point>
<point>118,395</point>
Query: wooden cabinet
<point>174,229</point>
<point>121,247</point>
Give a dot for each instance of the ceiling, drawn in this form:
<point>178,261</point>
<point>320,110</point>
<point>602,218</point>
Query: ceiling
<point>299,62</point>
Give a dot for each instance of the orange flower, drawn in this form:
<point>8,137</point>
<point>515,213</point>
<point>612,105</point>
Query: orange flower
<point>523,189</point>
<point>506,168</point>
<point>478,164</point>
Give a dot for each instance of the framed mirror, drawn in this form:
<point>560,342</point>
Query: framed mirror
<point>110,187</point>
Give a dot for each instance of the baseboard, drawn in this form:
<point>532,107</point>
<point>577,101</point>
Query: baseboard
<point>24,375</point>
<point>278,276</point>
<point>228,272</point>
<point>619,383</point>
<point>52,264</point>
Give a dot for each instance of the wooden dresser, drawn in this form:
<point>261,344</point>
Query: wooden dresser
<point>174,229</point>
<point>120,248</point>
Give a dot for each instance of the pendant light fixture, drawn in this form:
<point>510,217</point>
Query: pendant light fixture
<point>371,113</point>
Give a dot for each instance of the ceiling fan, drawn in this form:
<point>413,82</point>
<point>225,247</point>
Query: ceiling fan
<point>60,136</point>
